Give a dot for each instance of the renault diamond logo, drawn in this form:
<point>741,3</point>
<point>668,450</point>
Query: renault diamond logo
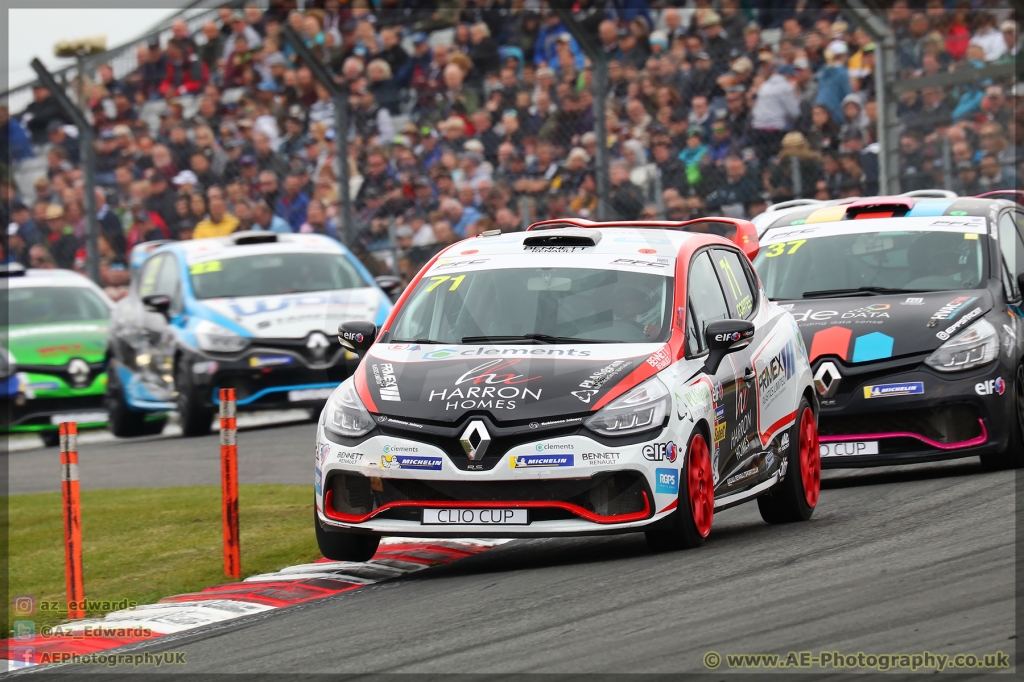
<point>475,440</point>
<point>318,343</point>
<point>826,380</point>
<point>79,371</point>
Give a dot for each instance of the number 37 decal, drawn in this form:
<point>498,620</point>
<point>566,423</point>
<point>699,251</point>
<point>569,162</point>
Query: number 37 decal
<point>779,248</point>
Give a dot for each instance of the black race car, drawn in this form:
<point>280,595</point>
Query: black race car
<point>911,312</point>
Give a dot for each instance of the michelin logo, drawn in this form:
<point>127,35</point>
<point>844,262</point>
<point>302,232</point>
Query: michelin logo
<point>540,461</point>
<point>887,390</point>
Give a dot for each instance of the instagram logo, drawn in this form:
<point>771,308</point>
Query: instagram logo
<point>24,605</point>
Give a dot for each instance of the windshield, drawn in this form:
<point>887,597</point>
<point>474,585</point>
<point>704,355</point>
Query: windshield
<point>897,261</point>
<point>49,305</point>
<point>562,305</point>
<point>273,273</point>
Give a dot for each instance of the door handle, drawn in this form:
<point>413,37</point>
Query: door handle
<point>749,374</point>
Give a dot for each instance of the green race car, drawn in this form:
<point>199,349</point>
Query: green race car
<point>52,357</point>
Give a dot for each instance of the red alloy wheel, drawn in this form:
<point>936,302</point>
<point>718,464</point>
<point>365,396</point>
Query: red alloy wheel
<point>700,486</point>
<point>810,458</point>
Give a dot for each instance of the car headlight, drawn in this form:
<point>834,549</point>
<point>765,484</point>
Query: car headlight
<point>346,415</point>
<point>640,409</point>
<point>975,346</point>
<point>213,337</point>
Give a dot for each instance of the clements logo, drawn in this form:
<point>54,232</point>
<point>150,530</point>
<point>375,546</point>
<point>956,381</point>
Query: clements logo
<point>388,449</point>
<point>452,353</point>
<point>541,447</point>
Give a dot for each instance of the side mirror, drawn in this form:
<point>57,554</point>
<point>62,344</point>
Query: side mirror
<point>357,337</point>
<point>388,283</point>
<point>1020,282</point>
<point>157,303</point>
<point>724,337</point>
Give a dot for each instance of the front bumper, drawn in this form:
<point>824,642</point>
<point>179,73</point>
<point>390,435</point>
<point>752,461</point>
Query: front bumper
<point>935,417</point>
<point>38,402</point>
<point>383,485</point>
<point>262,384</point>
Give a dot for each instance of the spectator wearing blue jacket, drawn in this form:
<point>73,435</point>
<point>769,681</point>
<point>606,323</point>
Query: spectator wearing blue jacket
<point>293,203</point>
<point>14,141</point>
<point>547,42</point>
<point>265,220</point>
<point>834,80</point>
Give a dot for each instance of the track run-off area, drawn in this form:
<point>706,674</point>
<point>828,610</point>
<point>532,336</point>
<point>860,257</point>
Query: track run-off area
<point>902,560</point>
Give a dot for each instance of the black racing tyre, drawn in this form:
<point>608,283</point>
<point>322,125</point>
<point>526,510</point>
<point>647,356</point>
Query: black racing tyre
<point>51,439</point>
<point>690,525</point>
<point>195,418</point>
<point>1013,456</point>
<point>795,498</point>
<point>123,421</point>
<point>342,546</point>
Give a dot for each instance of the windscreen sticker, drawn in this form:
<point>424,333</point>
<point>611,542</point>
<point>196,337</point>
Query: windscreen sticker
<point>659,265</point>
<point>775,235</point>
<point>205,267</point>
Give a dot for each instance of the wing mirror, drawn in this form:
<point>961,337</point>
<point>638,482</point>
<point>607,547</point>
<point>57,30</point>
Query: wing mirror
<point>724,337</point>
<point>1020,281</point>
<point>357,337</point>
<point>388,284</point>
<point>157,303</point>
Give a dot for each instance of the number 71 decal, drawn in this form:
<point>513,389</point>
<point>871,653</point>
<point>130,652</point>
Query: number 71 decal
<point>440,279</point>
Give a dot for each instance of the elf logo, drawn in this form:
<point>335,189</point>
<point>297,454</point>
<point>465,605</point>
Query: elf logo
<point>658,452</point>
<point>990,387</point>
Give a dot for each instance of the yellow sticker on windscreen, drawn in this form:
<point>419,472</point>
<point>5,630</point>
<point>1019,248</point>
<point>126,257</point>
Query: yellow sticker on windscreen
<point>203,268</point>
<point>970,235</point>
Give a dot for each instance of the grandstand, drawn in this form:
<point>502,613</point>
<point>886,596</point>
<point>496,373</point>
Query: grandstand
<point>469,116</point>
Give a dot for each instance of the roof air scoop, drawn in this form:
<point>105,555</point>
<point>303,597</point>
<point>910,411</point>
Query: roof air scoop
<point>570,236</point>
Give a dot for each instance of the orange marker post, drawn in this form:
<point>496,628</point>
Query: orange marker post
<point>72,519</point>
<point>229,484</point>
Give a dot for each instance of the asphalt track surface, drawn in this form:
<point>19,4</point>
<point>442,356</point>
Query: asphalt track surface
<point>267,453</point>
<point>893,561</point>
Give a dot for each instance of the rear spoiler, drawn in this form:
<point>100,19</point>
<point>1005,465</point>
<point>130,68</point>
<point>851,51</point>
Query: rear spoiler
<point>744,232</point>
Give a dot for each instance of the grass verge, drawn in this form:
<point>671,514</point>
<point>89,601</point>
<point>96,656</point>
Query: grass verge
<point>144,544</point>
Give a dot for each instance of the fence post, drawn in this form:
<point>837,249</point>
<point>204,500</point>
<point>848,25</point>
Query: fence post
<point>72,519</point>
<point>599,63</point>
<point>659,200</point>
<point>947,164</point>
<point>524,213</point>
<point>339,95</point>
<point>798,179</point>
<point>229,484</point>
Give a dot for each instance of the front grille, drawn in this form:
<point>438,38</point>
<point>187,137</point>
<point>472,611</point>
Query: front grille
<point>949,424</point>
<point>61,372</point>
<point>332,355</point>
<point>608,494</point>
<point>854,376</point>
<point>503,439</point>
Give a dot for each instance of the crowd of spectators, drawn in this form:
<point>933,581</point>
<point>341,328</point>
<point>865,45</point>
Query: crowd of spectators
<point>476,115</point>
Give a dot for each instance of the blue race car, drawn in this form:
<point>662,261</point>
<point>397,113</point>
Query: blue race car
<point>253,311</point>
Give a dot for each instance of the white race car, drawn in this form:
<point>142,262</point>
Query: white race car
<point>578,378</point>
